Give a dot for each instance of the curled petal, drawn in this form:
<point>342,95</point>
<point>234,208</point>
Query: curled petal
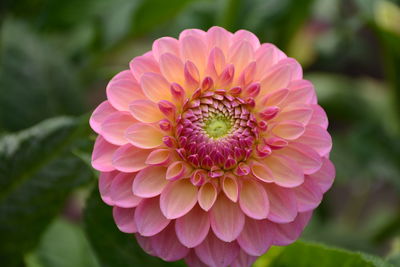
<point>114,127</point>
<point>125,219</point>
<point>308,195</point>
<point>324,176</point>
<point>219,37</point>
<point>178,198</point>
<point>178,170</point>
<point>227,219</point>
<point>105,181</point>
<point>193,228</point>
<point>145,111</point>
<point>158,157</point>
<point>256,237</point>
<point>216,253</point>
<point>121,92</point>
<point>149,218</point>
<point>102,155</point>
<point>144,136</point>
<point>207,196</point>
<point>317,138</point>
<point>167,246</point>
<point>128,158</point>
<point>306,157</point>
<point>150,182</point>
<point>289,130</point>
<point>121,191</point>
<point>285,172</point>
<point>243,260</point>
<point>143,64</point>
<point>230,187</point>
<point>193,49</point>
<point>155,87</point>
<point>283,205</point>
<point>104,110</point>
<point>253,200</point>
<point>165,45</point>
<point>287,233</point>
<point>172,68</point>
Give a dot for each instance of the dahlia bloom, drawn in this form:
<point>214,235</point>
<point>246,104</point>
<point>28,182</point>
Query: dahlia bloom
<point>212,148</point>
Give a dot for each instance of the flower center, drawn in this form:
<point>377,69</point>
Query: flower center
<point>215,131</point>
<point>218,126</point>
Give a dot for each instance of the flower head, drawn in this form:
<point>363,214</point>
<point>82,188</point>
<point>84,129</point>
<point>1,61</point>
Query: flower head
<point>212,148</point>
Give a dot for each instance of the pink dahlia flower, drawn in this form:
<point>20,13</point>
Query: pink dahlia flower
<point>212,148</point>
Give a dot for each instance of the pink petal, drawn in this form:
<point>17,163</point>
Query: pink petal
<point>143,64</point>
<point>306,157</point>
<point>218,37</point>
<point>287,233</point>
<point>105,181</point>
<point>172,68</point>
<point>193,261</point>
<point>145,111</point>
<point>283,205</point>
<point>165,45</point>
<point>253,200</point>
<point>145,243</point>
<point>319,117</point>
<point>128,158</point>
<point>125,219</point>
<point>288,130</point>
<point>243,260</point>
<point>227,219</point>
<point>230,187</point>
<point>192,228</point>
<point>144,135</point>
<point>121,92</point>
<point>149,218</point>
<point>317,138</point>
<point>167,246</point>
<point>256,237</point>
<point>102,155</point>
<point>159,157</point>
<point>207,196</point>
<point>300,92</point>
<point>261,171</point>
<point>216,253</point>
<point>243,35</point>
<point>299,113</point>
<point>194,49</point>
<point>216,63</point>
<point>178,198</point>
<point>275,98</point>
<point>308,195</point>
<point>267,55</point>
<point>114,127</point>
<point>200,34</point>
<point>150,182</point>
<point>281,75</point>
<point>241,54</point>
<point>100,114</point>
<point>121,191</point>
<point>155,87</point>
<point>285,172</point>
<point>324,176</point>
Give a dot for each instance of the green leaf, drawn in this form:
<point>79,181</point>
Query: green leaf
<point>114,248</point>
<point>73,251</point>
<point>302,254</point>
<point>152,13</point>
<point>37,172</point>
<point>36,80</point>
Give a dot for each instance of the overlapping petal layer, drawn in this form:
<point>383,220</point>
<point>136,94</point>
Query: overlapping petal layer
<point>212,148</point>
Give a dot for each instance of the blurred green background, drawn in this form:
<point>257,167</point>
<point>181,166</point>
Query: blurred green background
<point>57,56</point>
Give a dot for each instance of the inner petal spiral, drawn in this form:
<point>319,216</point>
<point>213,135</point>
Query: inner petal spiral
<point>216,130</point>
